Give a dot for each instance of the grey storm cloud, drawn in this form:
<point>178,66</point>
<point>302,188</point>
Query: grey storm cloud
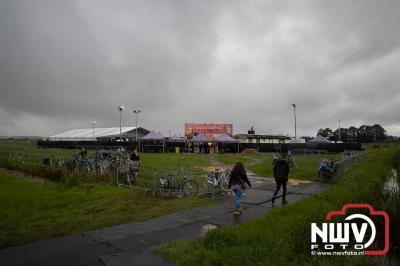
<point>64,64</point>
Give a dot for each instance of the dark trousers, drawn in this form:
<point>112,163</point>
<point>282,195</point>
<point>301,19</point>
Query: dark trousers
<point>278,187</point>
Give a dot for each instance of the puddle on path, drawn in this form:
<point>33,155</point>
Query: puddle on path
<point>206,228</point>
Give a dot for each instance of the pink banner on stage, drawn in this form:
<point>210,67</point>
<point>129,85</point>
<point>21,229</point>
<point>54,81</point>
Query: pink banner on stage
<point>208,130</point>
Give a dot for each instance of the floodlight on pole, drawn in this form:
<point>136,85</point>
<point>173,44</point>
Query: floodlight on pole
<point>121,109</point>
<point>295,122</point>
<point>136,113</point>
<point>93,124</point>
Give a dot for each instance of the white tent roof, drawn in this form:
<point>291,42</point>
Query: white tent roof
<point>88,133</point>
<point>319,139</point>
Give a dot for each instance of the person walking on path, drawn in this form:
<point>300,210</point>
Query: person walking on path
<point>237,182</point>
<point>281,173</point>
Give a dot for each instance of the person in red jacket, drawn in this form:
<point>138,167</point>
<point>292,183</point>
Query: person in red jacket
<point>237,183</point>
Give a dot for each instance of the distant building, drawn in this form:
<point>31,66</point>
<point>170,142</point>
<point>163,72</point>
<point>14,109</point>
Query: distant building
<point>101,134</point>
<point>252,137</point>
<point>259,138</point>
<point>298,140</point>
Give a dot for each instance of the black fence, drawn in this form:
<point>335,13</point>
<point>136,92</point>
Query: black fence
<point>327,147</point>
<point>167,146</point>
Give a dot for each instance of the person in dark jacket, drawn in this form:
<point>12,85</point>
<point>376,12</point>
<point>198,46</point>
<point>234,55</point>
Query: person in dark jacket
<point>83,152</point>
<point>237,183</point>
<point>134,156</point>
<point>281,173</point>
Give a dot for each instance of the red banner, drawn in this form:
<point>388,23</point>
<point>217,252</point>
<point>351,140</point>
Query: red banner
<point>192,129</point>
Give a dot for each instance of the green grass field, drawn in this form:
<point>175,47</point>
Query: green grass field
<point>32,153</point>
<point>156,161</point>
<point>152,164</point>
<point>36,209</point>
<point>305,169</point>
<point>230,159</point>
<point>282,236</point>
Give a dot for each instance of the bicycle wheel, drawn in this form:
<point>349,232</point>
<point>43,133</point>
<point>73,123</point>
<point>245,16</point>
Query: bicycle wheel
<point>163,187</point>
<point>164,192</point>
<point>131,180</point>
<point>190,188</point>
<point>224,183</point>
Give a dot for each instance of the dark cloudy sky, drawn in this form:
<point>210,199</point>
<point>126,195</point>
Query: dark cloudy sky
<point>64,64</point>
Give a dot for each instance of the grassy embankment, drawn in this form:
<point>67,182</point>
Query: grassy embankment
<point>282,236</point>
<point>36,209</point>
<point>33,210</point>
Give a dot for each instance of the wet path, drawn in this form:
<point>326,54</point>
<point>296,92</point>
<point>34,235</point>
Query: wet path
<point>131,244</point>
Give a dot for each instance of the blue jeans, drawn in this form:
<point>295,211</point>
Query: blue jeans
<point>238,196</point>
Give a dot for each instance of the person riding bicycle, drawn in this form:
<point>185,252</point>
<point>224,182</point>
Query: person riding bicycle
<point>325,165</point>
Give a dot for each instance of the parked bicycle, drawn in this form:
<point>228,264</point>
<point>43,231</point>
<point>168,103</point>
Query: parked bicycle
<point>49,161</point>
<point>20,157</point>
<point>178,182</point>
<point>217,180</point>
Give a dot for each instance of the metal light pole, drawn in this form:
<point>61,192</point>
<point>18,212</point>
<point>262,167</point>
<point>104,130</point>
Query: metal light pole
<point>93,123</point>
<point>339,129</point>
<point>295,122</point>
<point>121,109</point>
<point>136,113</point>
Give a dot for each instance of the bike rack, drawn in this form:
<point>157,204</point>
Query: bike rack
<point>197,176</point>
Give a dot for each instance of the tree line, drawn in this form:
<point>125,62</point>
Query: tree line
<point>364,134</point>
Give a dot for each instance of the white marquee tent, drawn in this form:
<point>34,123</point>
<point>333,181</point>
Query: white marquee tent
<point>87,133</point>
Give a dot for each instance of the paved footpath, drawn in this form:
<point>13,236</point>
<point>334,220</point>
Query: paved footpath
<point>131,244</point>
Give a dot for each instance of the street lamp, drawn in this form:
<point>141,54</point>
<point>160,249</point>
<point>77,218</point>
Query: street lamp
<point>121,109</point>
<point>93,123</point>
<point>339,130</point>
<point>295,122</point>
<point>136,114</point>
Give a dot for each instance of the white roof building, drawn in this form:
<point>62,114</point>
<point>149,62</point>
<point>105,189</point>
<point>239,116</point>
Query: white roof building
<point>89,134</point>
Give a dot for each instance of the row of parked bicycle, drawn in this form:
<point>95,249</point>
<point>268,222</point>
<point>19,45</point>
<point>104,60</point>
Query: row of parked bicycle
<point>101,163</point>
